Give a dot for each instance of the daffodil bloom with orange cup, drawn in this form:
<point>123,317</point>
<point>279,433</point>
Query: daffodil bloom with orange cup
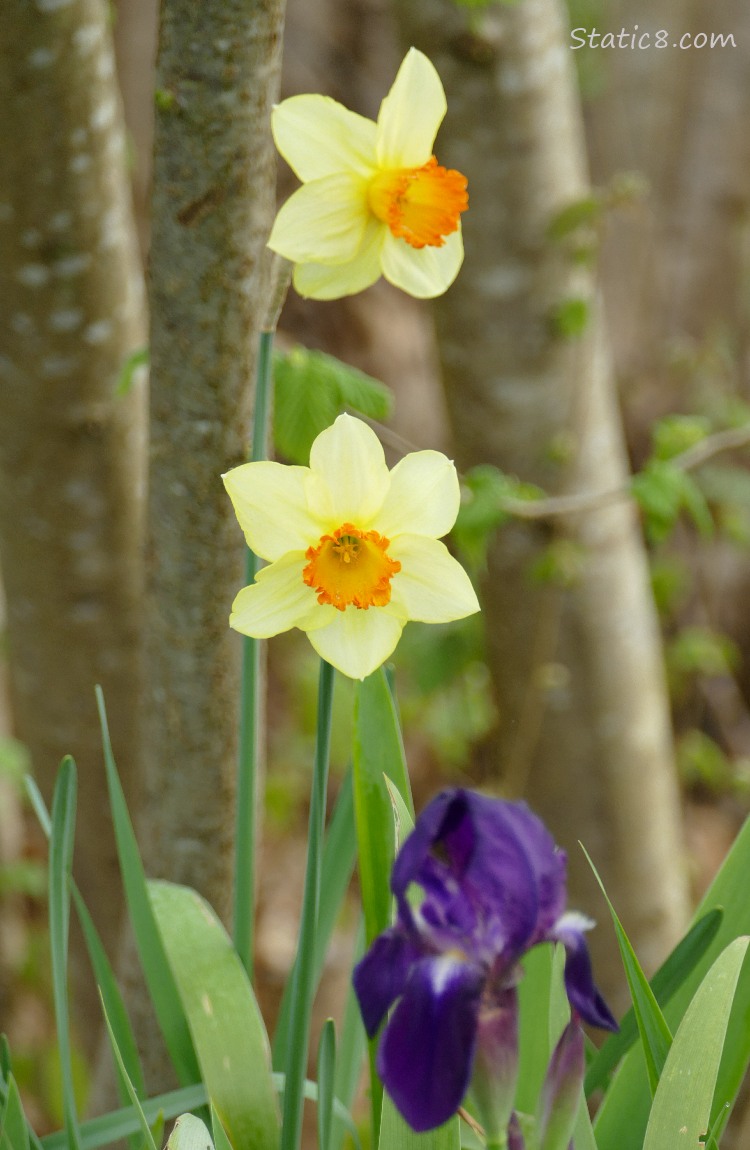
<point>353,548</point>
<point>374,200</point>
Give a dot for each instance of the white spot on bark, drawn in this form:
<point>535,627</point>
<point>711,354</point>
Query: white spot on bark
<point>70,266</point>
<point>6,212</point>
<point>105,65</point>
<point>80,163</point>
<point>98,332</point>
<point>33,275</point>
<point>42,57</point>
<point>87,612</point>
<point>31,238</point>
<point>6,366</point>
<point>61,221</point>
<point>78,137</point>
<point>22,323</point>
<point>104,115</point>
<point>67,319</point>
<point>56,366</point>
<point>222,45</point>
<point>86,38</point>
<point>52,5</point>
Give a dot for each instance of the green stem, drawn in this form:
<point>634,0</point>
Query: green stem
<point>249,774</point>
<point>303,974</point>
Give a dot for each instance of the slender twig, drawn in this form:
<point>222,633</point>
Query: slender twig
<point>695,456</point>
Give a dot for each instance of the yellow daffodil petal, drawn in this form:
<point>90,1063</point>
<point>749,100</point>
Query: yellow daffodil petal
<point>323,221</point>
<point>411,114</point>
<point>318,137</point>
<point>422,272</point>
<point>332,281</point>
<point>349,476</point>
<point>431,586</point>
<point>423,498</point>
<point>357,642</point>
<point>278,600</point>
<point>271,506</point>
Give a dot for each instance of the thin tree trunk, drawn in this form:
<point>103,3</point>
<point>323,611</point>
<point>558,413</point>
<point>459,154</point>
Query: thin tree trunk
<point>71,449</point>
<point>218,69</point>
<point>577,669</point>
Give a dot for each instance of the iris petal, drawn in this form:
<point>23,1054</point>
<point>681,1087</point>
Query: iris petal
<point>317,137</point>
<point>381,976</point>
<point>579,979</point>
<point>427,1050</point>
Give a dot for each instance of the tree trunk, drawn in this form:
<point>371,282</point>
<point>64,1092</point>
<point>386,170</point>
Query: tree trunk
<point>214,167</point>
<point>577,668</point>
<point>71,449</point>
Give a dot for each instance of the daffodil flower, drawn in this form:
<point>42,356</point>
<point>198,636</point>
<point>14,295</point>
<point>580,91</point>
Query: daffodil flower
<point>374,200</point>
<point>352,547</point>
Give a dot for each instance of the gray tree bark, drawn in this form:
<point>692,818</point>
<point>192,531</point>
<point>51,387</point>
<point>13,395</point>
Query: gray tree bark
<point>577,670</point>
<point>71,450</point>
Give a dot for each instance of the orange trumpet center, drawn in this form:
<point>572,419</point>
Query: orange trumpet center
<point>351,567</point>
<point>420,205</point>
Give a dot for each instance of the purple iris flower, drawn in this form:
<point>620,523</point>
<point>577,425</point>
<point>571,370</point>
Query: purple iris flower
<point>493,885</point>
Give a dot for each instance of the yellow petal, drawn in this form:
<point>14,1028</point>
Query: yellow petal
<point>277,601</point>
<point>423,498</point>
<point>422,272</point>
<point>411,114</point>
<point>349,479</point>
<point>324,281</point>
<point>323,221</point>
<point>318,137</point>
<point>357,642</point>
<point>270,503</point>
<point>431,586</point>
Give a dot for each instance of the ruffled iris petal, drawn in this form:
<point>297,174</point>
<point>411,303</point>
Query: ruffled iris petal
<point>423,498</point>
<point>271,507</point>
<point>582,992</point>
<point>356,642</point>
<point>410,114</point>
<point>332,281</point>
<point>422,272</point>
<point>277,601</point>
<point>318,137</point>
<point>427,1050</point>
<point>323,222</point>
<point>380,977</point>
<point>349,479</point>
<point>431,586</point>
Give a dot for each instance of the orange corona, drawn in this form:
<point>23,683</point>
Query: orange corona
<point>420,205</point>
<point>351,568</point>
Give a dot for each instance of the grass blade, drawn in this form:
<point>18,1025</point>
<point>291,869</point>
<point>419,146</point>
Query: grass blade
<point>14,1131</point>
<point>145,1128</point>
<point>60,864</point>
<point>118,1124</point>
<point>326,1074</point>
<point>156,970</point>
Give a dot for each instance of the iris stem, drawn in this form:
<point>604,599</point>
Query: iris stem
<point>303,973</point>
<point>249,770</point>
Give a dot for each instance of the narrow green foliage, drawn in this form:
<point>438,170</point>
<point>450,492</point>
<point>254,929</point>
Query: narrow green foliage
<point>221,1141</point>
<point>14,1132</point>
<point>676,433</point>
<point>303,974</point>
<point>326,1080</point>
<point>108,1128</point>
<point>584,212</point>
<point>663,491</point>
<point>570,318</point>
<point>312,389</point>
<point>60,866</point>
<point>127,375</point>
<point>484,508</point>
<point>225,1022</point>
<point>156,969</point>
<point>655,1034</point>
<point>148,1138</point>
<point>665,984</point>
<point>395,1134</point>
<point>352,1049</point>
<point>103,973</point>
<point>683,1105</point>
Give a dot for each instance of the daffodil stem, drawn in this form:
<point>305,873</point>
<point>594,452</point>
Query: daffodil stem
<point>303,973</point>
<point>249,773</point>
